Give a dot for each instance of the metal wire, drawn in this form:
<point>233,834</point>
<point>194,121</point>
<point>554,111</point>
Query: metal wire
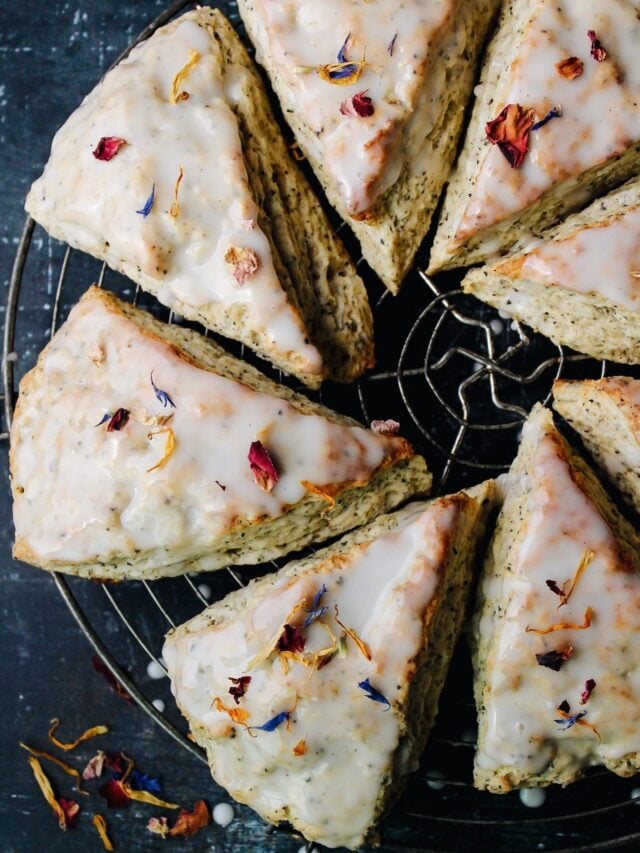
<point>461,376</point>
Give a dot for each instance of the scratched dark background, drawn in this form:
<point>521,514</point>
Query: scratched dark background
<point>51,54</point>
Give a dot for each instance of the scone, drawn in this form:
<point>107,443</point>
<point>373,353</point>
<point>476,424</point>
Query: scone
<point>313,689</point>
<point>606,414</point>
<point>555,633</point>
<point>580,284</point>
<point>174,172</point>
<point>141,450</point>
<point>556,123</point>
<point>375,94</point>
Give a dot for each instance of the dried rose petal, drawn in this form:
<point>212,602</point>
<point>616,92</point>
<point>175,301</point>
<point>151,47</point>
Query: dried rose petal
<point>245,263</point>
<point>555,659</point>
<point>188,823</point>
<point>108,147</point>
<point>239,687</point>
<point>570,68</point>
<point>388,427</point>
<point>510,132</point>
<point>71,810</point>
<point>262,467</point>
<point>159,826</point>
<point>291,640</point>
<point>118,420</point>
<point>597,50</point>
<point>93,770</point>
<point>110,678</point>
<point>360,105</point>
<point>115,794</point>
<point>589,687</point>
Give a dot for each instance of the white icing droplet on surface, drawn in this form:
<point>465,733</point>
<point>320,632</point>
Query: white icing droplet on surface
<point>154,670</point>
<point>496,326</point>
<point>504,314</point>
<point>223,814</point>
<point>205,590</point>
<point>468,736</point>
<point>533,798</point>
<point>433,780</point>
<point>635,795</point>
<point>158,704</point>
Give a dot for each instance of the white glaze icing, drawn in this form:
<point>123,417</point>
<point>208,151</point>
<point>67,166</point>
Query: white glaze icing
<point>87,493</point>
<point>363,155</point>
<point>598,259</point>
<point>95,202</point>
<point>600,117</point>
<point>522,697</point>
<point>383,589</point>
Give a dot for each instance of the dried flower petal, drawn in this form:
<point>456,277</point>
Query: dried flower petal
<point>143,782</point>
<point>344,72</point>
<point>101,827</point>
<point>158,826</point>
<point>554,112</point>
<point>145,210</point>
<point>47,791</point>
<point>239,687</point>
<point>150,799</point>
<point>585,560</point>
<point>116,421</point>
<point>68,769</point>
<point>316,611</point>
<point>597,50</point>
<point>71,811</point>
<point>570,68</point>
<point>262,467</point>
<point>245,263</point>
<point>324,493</point>
<point>110,678</point>
<point>188,823</point>
<point>238,715</point>
<point>561,626</point>
<point>300,748</point>
<point>175,94</point>
<point>589,687</point>
<point>115,793</point>
<point>108,147</point>
<point>510,132</point>
<point>567,720</point>
<point>373,694</point>
<point>174,210</point>
<point>272,724</point>
<point>93,770</point>
<point>360,105</point>
<point>169,446</point>
<point>555,659</point>
<point>362,646</point>
<point>291,640</point>
<point>391,45</point>
<point>94,731</point>
<point>385,427</point>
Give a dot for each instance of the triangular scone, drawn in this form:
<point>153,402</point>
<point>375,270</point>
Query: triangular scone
<point>606,414</point>
<point>201,204</point>
<point>580,285</point>
<point>140,450</point>
<point>336,663</point>
<point>548,57</point>
<point>555,633</point>
<point>381,130</point>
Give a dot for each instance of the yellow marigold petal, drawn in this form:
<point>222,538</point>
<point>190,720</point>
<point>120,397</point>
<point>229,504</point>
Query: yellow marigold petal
<point>174,210</point>
<point>68,769</point>
<point>169,446</point>
<point>146,797</point>
<point>47,791</point>
<point>94,731</point>
<point>562,626</point>
<point>176,95</point>
<point>101,826</point>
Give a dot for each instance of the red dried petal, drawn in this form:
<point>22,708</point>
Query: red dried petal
<point>239,687</point>
<point>115,794</point>
<point>118,420</point>
<point>113,682</point>
<point>291,640</point>
<point>71,810</point>
<point>510,132</point>
<point>597,50</point>
<point>262,467</point>
<point>108,147</point>
<point>589,687</point>
<point>188,823</point>
<point>570,68</point>
<point>359,105</point>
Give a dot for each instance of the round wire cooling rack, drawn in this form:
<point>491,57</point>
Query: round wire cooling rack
<point>461,379</point>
